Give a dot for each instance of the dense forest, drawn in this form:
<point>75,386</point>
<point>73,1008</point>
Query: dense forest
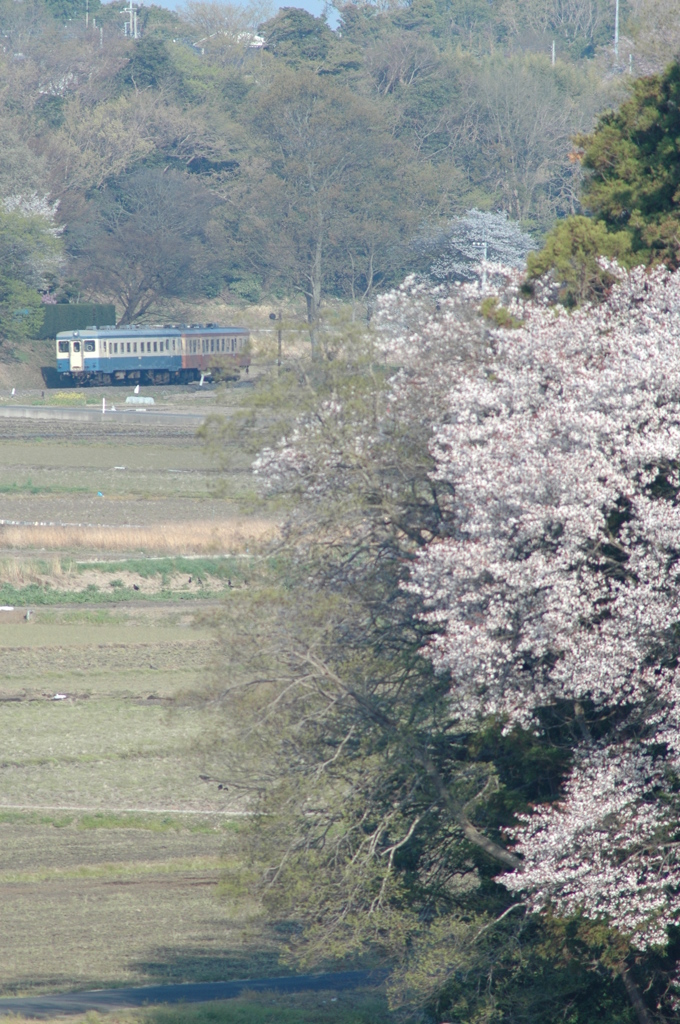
<point>230,151</point>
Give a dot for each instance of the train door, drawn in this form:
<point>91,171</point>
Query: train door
<point>76,354</point>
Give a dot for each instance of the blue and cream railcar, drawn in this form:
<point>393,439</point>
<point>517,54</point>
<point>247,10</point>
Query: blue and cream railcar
<point>171,354</point>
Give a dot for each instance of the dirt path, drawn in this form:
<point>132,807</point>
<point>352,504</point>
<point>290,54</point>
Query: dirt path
<point>121,810</point>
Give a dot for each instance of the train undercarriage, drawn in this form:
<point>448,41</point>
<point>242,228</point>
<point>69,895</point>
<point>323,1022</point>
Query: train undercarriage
<point>87,378</point>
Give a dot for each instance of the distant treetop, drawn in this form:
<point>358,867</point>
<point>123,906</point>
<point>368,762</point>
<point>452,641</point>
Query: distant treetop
<point>475,237</point>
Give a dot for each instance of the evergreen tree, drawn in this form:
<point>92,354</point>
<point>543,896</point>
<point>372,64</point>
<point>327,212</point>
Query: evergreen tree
<point>632,164</point>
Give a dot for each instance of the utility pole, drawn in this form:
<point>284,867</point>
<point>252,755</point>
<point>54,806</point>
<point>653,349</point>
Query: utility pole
<point>553,53</point>
<point>87,13</point>
<point>484,246</point>
<point>101,38</point>
<point>616,30</point>
<point>131,11</point>
<point>273,316</point>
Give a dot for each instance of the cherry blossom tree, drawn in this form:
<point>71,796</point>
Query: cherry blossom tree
<point>469,244</point>
<point>558,587</point>
<point>518,486</point>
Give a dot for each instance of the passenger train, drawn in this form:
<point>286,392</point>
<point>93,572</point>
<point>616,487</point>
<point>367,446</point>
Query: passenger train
<point>152,355</point>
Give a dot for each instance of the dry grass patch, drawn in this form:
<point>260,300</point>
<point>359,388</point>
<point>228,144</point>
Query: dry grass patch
<point>196,538</point>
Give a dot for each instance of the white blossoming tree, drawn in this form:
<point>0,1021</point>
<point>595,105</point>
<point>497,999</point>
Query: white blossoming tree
<point>558,590</point>
<point>506,502</point>
<point>30,249</point>
<point>477,244</point>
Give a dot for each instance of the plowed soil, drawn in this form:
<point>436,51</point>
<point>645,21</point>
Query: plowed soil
<point>111,837</point>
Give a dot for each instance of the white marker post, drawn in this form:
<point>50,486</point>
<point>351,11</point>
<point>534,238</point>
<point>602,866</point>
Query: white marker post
<point>103,405</point>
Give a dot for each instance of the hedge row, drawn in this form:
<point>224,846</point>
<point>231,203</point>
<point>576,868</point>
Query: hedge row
<point>74,316</point>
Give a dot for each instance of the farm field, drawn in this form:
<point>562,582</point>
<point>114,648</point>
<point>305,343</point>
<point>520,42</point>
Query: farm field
<point>365,1006</point>
<point>112,842</point>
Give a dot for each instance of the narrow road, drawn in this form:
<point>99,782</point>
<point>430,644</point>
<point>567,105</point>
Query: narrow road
<point>199,992</point>
<point>78,414</point>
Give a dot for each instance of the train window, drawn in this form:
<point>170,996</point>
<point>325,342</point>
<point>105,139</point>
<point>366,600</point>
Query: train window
<point>88,346</point>
<point>104,346</point>
<point>76,346</point>
<point>134,346</point>
<point>63,346</point>
<point>154,346</point>
<point>233,344</point>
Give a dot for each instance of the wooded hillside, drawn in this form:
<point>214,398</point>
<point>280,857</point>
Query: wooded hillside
<point>230,152</point>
